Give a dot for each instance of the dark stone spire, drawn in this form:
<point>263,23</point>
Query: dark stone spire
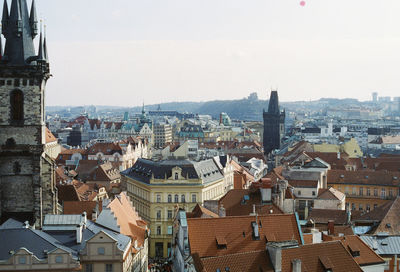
<point>1,48</point>
<point>19,49</point>
<point>273,106</point>
<point>41,54</point>
<point>46,57</point>
<point>33,21</point>
<point>5,19</point>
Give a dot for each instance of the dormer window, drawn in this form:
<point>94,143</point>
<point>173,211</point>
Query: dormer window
<point>176,176</point>
<point>101,250</point>
<point>59,259</point>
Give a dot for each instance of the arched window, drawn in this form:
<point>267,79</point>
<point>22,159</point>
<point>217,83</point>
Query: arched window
<point>169,198</point>
<point>17,106</point>
<point>183,198</point>
<point>176,198</point>
<point>176,176</point>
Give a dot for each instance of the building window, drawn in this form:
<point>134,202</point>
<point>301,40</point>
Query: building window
<point>361,191</point>
<point>59,259</point>
<point>169,214</point>
<point>368,192</point>
<point>176,176</point>
<point>346,189</point>
<point>390,192</point>
<point>158,198</point>
<point>101,251</point>
<point>88,267</point>
<point>17,106</point>
<point>383,193</point>
<point>109,267</point>
<point>353,206</point>
<point>176,198</point>
<point>183,198</point>
<point>313,193</point>
<point>158,230</point>
<point>169,230</point>
<point>194,198</point>
<point>368,208</point>
<point>375,192</point>
<point>158,214</point>
<point>169,198</point>
<point>298,192</point>
<point>22,260</point>
<point>354,190</point>
<point>360,207</point>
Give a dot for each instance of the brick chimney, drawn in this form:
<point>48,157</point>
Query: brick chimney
<point>331,227</point>
<point>296,265</point>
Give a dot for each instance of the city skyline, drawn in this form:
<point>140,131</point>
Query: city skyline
<point>129,52</point>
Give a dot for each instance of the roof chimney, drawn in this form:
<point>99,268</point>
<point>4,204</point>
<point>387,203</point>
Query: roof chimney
<point>84,219</point>
<point>79,234</point>
<point>338,155</point>
<point>221,211</point>
<point>331,227</point>
<point>296,265</point>
<point>256,232</point>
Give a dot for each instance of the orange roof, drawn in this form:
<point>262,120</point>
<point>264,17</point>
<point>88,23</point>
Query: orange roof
<point>367,177</point>
<point>320,257</point>
<point>238,231</point>
<point>366,254</point>
<point>50,137</point>
<point>247,261</point>
<point>200,211</point>
<point>127,218</point>
<point>78,207</point>
<point>233,203</point>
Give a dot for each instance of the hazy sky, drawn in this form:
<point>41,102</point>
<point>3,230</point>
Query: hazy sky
<point>124,52</point>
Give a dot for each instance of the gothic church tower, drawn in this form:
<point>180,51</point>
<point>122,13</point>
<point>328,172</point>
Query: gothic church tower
<point>274,124</point>
<point>27,180</point>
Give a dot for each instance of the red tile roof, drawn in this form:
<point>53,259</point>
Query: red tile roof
<point>361,177</point>
<point>320,257</point>
<point>50,137</point>
<point>238,231</point>
<point>78,207</point>
<point>239,262</point>
<point>303,183</point>
<point>366,255</point>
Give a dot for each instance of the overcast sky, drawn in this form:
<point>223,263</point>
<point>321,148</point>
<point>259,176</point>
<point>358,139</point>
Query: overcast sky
<point>124,52</point>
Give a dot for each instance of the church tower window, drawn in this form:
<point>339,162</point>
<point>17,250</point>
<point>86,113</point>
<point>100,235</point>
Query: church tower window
<point>17,106</point>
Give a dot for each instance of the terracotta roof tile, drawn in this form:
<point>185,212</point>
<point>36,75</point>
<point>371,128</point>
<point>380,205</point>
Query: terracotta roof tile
<point>330,194</point>
<point>238,231</point>
<point>50,137</point>
<point>234,204</point>
<point>78,207</point>
<point>366,255</point>
<point>240,262</point>
<point>367,177</point>
<point>320,257</point>
<point>391,221</point>
<point>199,211</point>
<point>303,183</point>
<point>322,216</point>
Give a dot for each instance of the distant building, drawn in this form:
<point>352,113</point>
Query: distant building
<point>375,97</point>
<point>162,135</point>
<point>274,124</point>
<point>158,188</point>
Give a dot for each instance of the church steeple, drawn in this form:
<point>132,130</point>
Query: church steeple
<point>273,106</point>
<point>5,18</point>
<point>17,29</point>
<point>33,21</point>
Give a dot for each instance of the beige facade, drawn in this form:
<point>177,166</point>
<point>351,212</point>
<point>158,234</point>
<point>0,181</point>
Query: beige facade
<point>102,254</point>
<point>158,198</point>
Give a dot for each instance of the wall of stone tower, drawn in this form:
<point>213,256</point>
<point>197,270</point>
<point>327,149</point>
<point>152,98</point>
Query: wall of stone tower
<point>27,181</point>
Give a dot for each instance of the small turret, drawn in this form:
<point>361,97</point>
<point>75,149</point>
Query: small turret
<point>46,57</point>
<point>41,57</point>
<point>15,18</point>
<point>33,21</point>
<point>5,19</point>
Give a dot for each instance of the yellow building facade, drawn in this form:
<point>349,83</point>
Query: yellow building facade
<point>158,189</point>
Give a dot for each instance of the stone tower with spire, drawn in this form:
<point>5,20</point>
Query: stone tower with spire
<point>27,183</point>
<point>274,125</point>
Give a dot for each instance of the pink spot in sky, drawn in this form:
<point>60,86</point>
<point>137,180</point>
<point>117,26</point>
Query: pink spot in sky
<point>302,3</point>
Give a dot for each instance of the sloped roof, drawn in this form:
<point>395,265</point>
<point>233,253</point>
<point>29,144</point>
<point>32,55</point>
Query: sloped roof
<point>330,194</point>
<point>367,255</point>
<point>78,207</point>
<point>239,262</point>
<point>200,211</point>
<point>303,183</point>
<point>315,257</point>
<point>202,233</point>
<point>391,221</point>
<point>50,136</point>
<point>367,177</point>
<point>234,205</point>
<point>322,216</point>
